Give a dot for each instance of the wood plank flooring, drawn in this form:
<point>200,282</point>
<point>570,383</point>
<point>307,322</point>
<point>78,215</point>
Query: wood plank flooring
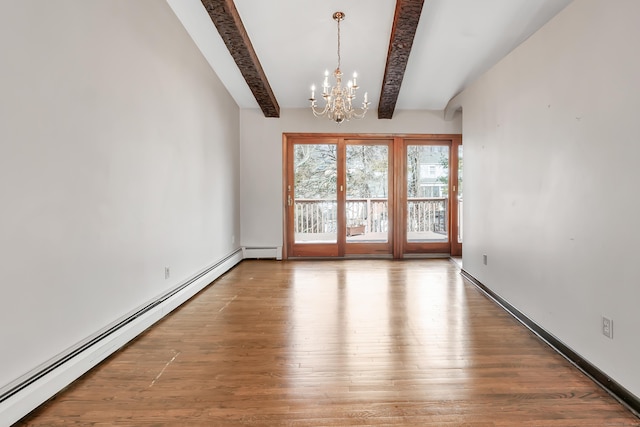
<point>336,343</point>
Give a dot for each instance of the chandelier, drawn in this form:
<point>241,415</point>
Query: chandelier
<point>338,99</point>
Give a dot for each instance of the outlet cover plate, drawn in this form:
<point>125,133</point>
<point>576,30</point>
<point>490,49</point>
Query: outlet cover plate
<point>607,327</point>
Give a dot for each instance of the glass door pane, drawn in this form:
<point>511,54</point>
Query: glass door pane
<point>315,202</point>
<point>427,193</point>
<point>367,195</point>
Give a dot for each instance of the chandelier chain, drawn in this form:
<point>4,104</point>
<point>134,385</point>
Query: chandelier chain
<point>339,43</point>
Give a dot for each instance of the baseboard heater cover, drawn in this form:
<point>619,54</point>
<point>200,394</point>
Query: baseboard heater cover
<point>624,396</point>
<point>269,252</point>
<point>27,393</point>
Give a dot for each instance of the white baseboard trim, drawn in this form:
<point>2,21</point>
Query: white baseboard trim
<point>45,381</point>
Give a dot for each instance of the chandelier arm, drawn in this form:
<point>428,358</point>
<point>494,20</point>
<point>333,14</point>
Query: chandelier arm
<point>361,115</point>
<point>319,113</point>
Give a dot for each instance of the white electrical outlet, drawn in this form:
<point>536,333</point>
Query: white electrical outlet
<point>607,327</point>
<point>167,272</point>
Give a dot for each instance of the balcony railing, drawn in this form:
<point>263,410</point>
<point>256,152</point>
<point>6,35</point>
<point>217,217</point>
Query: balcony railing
<point>428,214</point>
<point>373,214</point>
<point>315,216</point>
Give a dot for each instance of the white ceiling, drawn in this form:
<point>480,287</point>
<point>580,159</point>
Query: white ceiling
<point>296,41</point>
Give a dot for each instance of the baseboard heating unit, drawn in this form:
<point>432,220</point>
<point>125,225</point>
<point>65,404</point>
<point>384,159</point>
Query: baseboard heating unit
<point>28,392</point>
<point>262,252</point>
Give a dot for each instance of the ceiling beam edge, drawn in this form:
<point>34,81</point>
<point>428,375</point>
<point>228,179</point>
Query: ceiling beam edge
<point>227,20</point>
<point>405,23</point>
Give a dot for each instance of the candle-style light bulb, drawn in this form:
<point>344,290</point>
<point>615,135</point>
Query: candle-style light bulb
<point>355,76</point>
<point>365,97</point>
<point>325,84</point>
<point>313,91</point>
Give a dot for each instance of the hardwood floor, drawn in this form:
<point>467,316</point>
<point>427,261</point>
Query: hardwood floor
<point>336,343</point>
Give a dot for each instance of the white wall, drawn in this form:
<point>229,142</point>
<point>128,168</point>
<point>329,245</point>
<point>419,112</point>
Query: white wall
<point>261,158</point>
<point>119,153</point>
<point>551,153</point>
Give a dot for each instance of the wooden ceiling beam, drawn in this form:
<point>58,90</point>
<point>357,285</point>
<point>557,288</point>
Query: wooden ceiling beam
<point>405,23</point>
<point>227,20</point>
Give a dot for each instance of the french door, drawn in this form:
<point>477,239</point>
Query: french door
<point>337,196</point>
<point>369,195</point>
